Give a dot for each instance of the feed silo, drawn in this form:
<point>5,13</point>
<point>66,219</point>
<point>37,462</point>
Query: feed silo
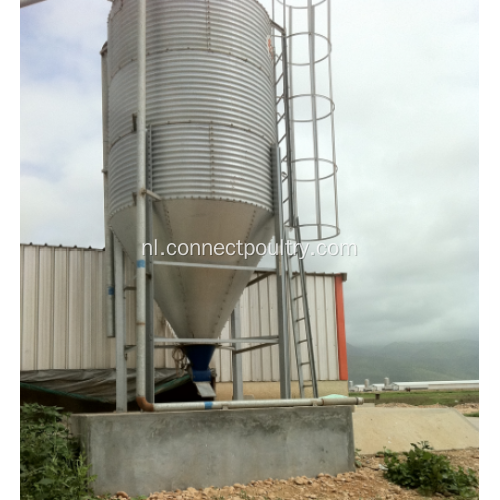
<point>210,116</point>
<point>190,109</point>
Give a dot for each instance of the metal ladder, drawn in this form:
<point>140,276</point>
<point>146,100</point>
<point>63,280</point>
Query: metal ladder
<point>296,281</point>
<point>301,320</point>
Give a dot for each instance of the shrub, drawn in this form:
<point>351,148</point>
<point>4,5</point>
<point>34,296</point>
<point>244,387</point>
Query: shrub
<point>429,473</point>
<point>52,466</point>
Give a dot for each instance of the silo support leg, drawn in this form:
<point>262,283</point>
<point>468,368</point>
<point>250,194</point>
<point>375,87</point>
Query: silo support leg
<point>236,358</point>
<point>120,333</point>
<point>150,346</point>
<point>150,343</point>
<point>280,236</point>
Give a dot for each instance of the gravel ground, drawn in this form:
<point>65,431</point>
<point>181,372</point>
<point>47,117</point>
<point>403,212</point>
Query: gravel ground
<point>367,483</point>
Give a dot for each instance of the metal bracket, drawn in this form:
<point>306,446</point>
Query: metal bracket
<point>151,194</point>
<point>260,278</point>
<point>260,346</point>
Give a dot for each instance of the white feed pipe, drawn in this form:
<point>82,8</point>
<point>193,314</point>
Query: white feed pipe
<point>108,234</point>
<point>257,403</point>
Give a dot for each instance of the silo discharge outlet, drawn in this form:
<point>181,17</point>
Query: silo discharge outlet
<point>199,356</point>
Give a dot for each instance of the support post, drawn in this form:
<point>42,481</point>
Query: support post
<point>150,343</point>
<point>237,360</point>
<point>120,333</point>
<point>141,207</point>
<point>280,237</point>
<point>108,234</point>
<point>341,340</point>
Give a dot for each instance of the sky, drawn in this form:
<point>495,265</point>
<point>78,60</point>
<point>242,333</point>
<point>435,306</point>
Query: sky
<point>406,91</point>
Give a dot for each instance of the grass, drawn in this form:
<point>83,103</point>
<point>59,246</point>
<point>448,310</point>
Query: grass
<point>473,414</point>
<point>417,398</point>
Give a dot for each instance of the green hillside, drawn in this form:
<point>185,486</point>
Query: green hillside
<point>407,362</point>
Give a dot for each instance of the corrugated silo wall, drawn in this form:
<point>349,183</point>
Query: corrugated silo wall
<point>63,318</point>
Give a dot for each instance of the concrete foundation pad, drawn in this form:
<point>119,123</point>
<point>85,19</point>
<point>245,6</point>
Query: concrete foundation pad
<point>145,452</point>
<point>397,428</point>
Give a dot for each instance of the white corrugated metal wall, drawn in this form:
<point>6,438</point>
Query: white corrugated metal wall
<point>63,318</point>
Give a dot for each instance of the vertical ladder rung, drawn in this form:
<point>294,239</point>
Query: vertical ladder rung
<point>297,298</point>
<point>302,341</point>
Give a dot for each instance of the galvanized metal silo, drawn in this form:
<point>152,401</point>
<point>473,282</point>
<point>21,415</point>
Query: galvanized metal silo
<point>211,120</point>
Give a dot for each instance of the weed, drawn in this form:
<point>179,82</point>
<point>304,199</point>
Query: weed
<point>52,466</point>
<point>429,473</point>
<point>357,458</point>
<point>473,414</point>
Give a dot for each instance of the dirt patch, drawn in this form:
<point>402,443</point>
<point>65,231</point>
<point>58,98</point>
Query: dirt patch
<point>462,408</point>
<point>367,483</point>
<point>467,408</point>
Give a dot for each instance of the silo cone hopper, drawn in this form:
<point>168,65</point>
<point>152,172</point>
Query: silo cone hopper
<point>211,121</point>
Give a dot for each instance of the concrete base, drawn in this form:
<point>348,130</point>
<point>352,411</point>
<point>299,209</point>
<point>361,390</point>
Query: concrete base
<point>397,428</point>
<point>142,453</point>
<point>474,421</point>
<point>271,390</point>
